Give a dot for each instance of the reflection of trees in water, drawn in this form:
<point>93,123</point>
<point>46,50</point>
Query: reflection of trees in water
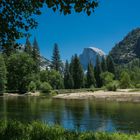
<point>83,115</point>
<point>75,110</point>
<point>123,116</point>
<point>57,111</point>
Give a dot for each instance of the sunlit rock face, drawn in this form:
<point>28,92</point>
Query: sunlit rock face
<point>89,55</point>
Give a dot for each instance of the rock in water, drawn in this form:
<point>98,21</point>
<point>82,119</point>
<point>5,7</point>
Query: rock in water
<point>90,54</point>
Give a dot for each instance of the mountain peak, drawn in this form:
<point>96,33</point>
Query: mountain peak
<point>99,51</point>
<point>89,55</point>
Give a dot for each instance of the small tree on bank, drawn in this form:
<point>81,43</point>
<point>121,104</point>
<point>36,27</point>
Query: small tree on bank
<point>125,81</point>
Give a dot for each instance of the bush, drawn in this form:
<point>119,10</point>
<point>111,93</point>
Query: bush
<point>137,86</point>
<point>107,78</point>
<point>112,86</point>
<point>32,86</point>
<point>45,87</point>
<point>125,81</point>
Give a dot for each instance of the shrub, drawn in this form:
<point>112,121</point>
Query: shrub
<point>32,86</point>
<point>125,81</point>
<point>107,78</point>
<point>137,86</point>
<point>45,87</point>
<point>112,86</point>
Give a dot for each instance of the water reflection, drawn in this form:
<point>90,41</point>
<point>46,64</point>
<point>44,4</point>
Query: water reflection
<point>73,114</point>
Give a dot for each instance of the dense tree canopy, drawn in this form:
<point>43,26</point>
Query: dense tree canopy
<point>17,16</point>
<point>20,69</point>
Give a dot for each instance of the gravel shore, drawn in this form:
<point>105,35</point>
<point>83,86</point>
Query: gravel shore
<point>103,95</point>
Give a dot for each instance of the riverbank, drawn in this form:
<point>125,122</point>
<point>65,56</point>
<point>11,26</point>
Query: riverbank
<point>120,96</point>
<point>26,94</point>
<point>15,130</point>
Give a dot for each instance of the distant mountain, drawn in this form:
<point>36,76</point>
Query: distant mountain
<point>90,54</point>
<point>127,49</point>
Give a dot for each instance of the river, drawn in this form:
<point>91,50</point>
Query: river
<point>80,115</point>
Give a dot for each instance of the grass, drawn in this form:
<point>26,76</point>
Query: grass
<point>15,130</point>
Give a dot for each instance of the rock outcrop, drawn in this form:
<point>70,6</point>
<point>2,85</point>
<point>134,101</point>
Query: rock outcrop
<point>89,55</point>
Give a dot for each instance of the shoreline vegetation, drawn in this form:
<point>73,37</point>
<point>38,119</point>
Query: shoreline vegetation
<point>12,130</point>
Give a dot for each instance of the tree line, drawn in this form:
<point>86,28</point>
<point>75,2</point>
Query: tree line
<point>20,71</point>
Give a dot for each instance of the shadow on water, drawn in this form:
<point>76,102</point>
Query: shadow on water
<point>80,115</point>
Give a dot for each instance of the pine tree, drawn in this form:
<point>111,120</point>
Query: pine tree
<point>77,73</point>
<point>103,64</point>
<point>28,47</point>
<point>68,80</point>
<point>36,55</point>
<point>3,79</point>
<point>56,61</point>
<point>90,76</point>
<point>110,65</point>
<point>98,71</point>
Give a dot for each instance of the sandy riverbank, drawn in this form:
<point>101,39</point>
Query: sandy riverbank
<point>103,95</point>
<point>26,94</point>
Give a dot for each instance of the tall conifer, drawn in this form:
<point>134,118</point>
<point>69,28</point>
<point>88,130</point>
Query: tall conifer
<point>56,61</point>
<point>98,71</point>
<point>90,76</point>
<point>36,55</point>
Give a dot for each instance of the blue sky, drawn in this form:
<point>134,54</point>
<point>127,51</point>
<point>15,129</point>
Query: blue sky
<point>110,22</point>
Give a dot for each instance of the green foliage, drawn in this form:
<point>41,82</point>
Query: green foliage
<point>77,72</point>
<point>56,61</point>
<point>3,72</point>
<point>32,86</point>
<point>45,87</point>
<point>28,47</point>
<point>106,77</point>
<point>44,76</point>
<point>125,81</point>
<point>103,64</point>
<point>135,75</point>
<point>20,17</point>
<point>68,79</point>
<point>15,130</point>
<point>55,79</point>
<point>110,65</point>
<point>98,71</point>
<point>137,86</point>
<point>20,68</point>
<point>36,55</point>
<point>112,86</point>
<point>90,76</point>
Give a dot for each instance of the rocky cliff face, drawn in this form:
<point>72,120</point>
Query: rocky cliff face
<point>90,54</point>
<point>127,49</point>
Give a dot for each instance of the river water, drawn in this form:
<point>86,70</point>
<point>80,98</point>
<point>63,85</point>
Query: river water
<point>80,115</point>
